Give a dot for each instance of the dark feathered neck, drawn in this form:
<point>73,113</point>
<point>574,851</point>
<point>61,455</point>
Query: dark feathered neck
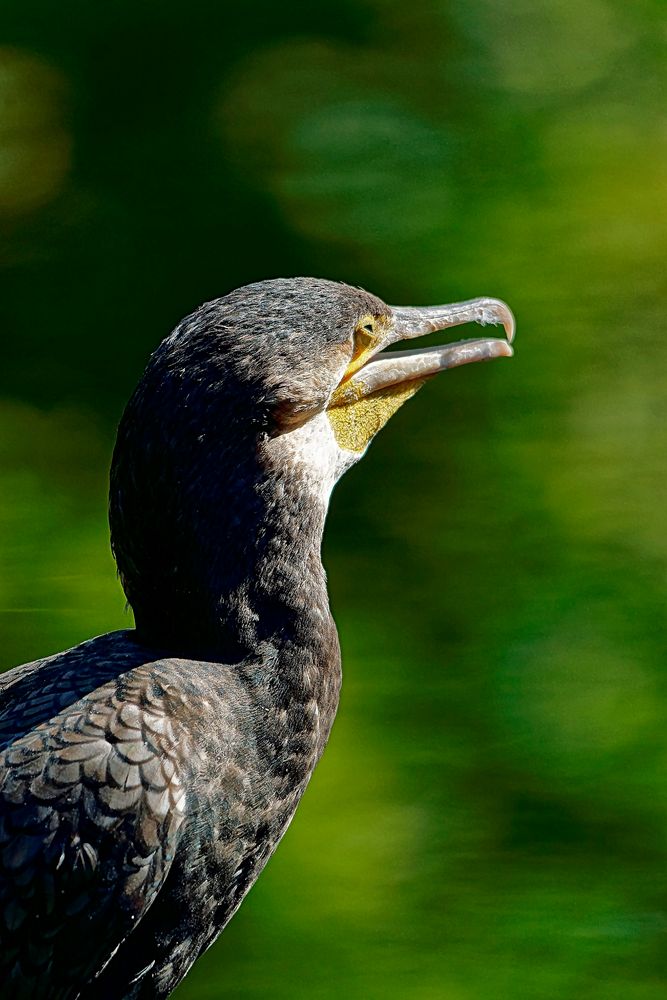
<point>217,545</point>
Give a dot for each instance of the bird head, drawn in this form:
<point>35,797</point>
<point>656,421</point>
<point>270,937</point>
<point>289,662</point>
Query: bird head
<point>302,362</point>
<point>244,420</point>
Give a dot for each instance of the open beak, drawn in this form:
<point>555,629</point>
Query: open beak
<point>372,371</point>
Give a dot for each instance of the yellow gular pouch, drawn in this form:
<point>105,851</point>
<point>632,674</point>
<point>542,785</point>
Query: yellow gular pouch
<point>355,422</point>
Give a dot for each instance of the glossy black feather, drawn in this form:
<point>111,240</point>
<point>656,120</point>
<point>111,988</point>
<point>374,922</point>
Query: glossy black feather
<point>146,776</point>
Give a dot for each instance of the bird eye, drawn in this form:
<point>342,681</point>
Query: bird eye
<point>364,336</point>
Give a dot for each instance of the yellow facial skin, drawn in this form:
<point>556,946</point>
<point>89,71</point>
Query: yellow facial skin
<point>356,418</point>
<point>365,345</point>
<point>356,423</point>
<point>368,336</point>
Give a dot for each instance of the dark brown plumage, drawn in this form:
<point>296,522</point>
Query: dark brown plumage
<point>147,775</point>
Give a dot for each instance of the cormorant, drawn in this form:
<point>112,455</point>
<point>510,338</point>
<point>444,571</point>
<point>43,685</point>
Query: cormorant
<point>147,775</point>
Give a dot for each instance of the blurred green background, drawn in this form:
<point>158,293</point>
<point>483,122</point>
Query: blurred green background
<point>490,819</point>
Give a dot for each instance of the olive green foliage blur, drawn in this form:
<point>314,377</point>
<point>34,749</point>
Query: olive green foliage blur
<point>490,819</point>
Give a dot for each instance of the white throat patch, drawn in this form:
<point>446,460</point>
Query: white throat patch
<point>314,454</point>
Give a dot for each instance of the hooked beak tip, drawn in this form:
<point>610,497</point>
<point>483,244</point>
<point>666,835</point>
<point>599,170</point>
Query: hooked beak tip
<point>494,311</point>
<point>416,321</point>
